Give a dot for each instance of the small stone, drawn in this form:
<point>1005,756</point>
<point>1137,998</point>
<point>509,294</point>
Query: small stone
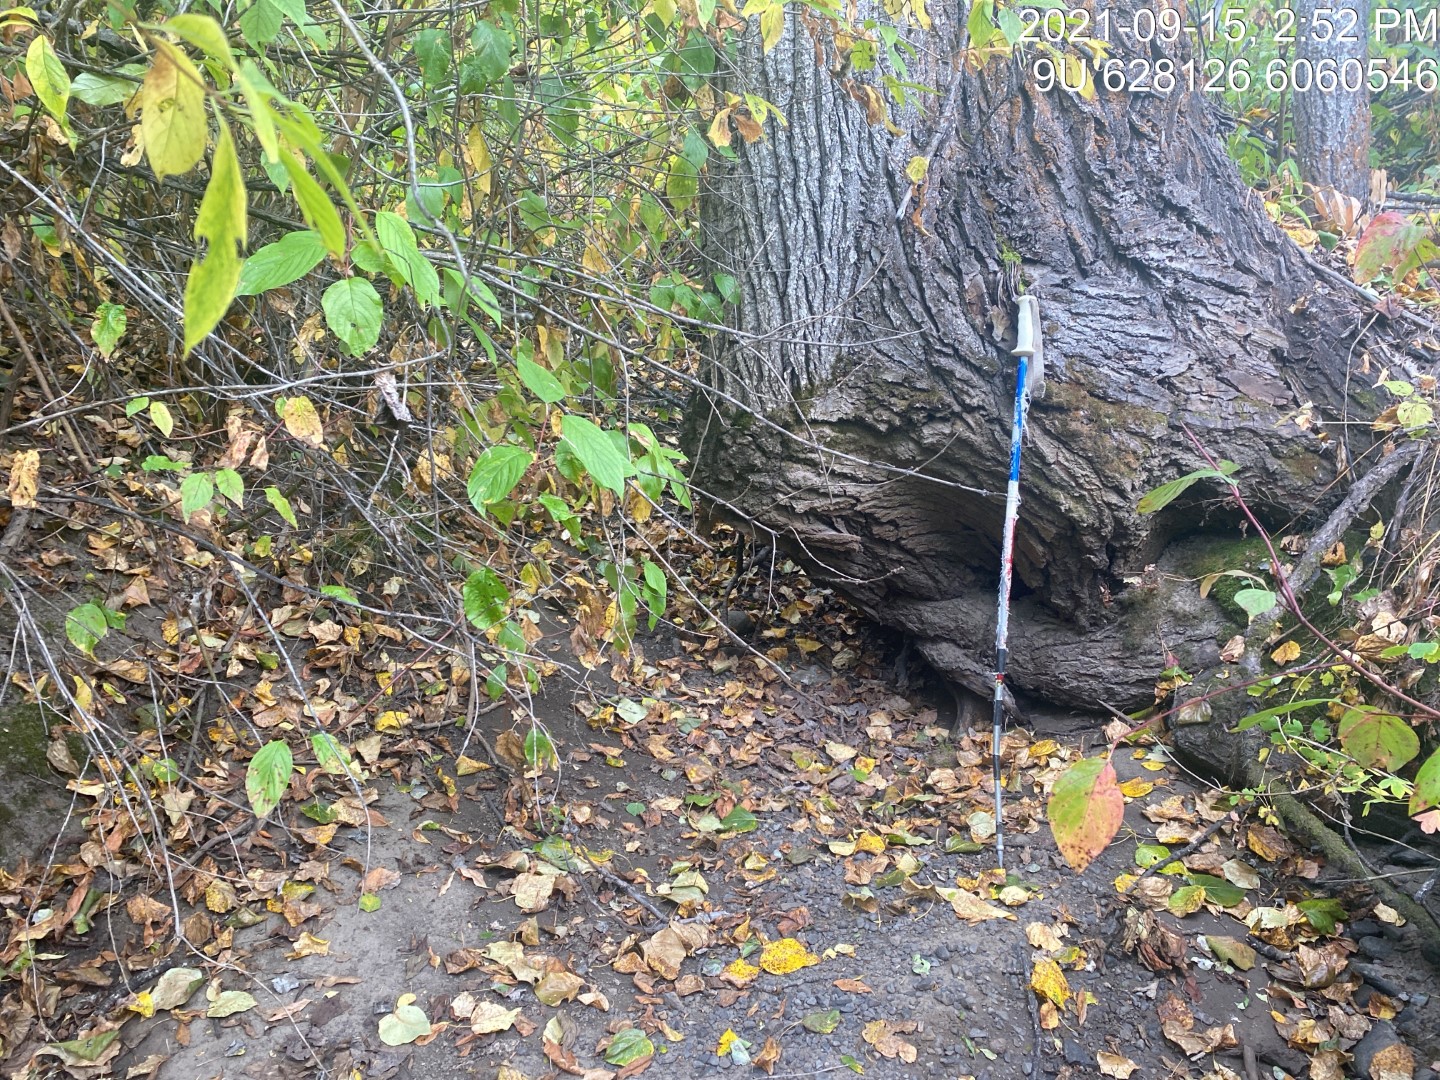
<point>1382,1034</point>
<point>1376,948</point>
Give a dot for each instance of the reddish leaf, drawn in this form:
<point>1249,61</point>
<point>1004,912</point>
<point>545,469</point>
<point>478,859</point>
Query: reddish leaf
<point>1085,810</point>
<point>1390,242</point>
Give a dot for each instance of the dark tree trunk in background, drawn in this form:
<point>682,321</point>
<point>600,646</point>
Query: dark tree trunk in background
<point>1168,299</point>
<point>1332,124</point>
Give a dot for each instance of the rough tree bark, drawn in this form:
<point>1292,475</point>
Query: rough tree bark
<point>1332,119</point>
<point>1168,299</point>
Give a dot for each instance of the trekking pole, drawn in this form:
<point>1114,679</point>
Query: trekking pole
<point>1029,382</point>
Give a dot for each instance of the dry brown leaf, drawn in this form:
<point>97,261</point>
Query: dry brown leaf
<point>1115,1065</point>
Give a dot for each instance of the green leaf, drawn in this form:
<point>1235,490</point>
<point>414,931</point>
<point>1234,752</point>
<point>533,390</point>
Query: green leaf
<point>1414,414</point>
<point>980,24</point>
<point>821,1023</point>
<point>85,626</point>
<point>135,405</point>
<point>1279,710</point>
<point>597,452</point>
<point>166,771</point>
<point>172,112</point>
<point>1378,740</point>
<point>398,239</point>
<point>484,596</point>
<point>1427,785</point>
<point>259,94</point>
<point>315,206</point>
<point>682,183</point>
<point>340,592</point>
<point>1085,810</point>
<point>196,491</point>
<point>432,49</point>
<point>403,1026</point>
<point>221,223</point>
<point>281,504</point>
<point>161,418</point>
<point>108,327</point>
<point>101,90</point>
<point>353,311</point>
<point>1217,889</point>
<point>267,776</point>
<point>628,1046</point>
<point>739,820</point>
<point>203,32</point>
<point>229,1003</point>
<point>1255,602</point>
<point>160,463</point>
<point>231,485</point>
<point>496,473</point>
<point>1165,494</point>
<point>1147,855</point>
<point>539,381</point>
<point>562,514</point>
<point>90,1048</point>
<point>288,259</point>
<point>539,750</point>
<point>47,75</point>
<point>331,755</point>
<point>1323,913</point>
<point>490,56</point>
<point>369,902</point>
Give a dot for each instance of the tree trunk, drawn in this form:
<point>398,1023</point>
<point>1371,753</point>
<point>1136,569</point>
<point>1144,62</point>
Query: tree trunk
<point>862,411</point>
<point>1332,123</point>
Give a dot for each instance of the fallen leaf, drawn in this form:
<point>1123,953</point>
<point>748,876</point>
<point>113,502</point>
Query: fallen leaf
<point>488,1017</point>
<point>786,955</point>
<point>1047,980</point>
<point>1115,1065</point>
<point>1232,951</point>
<point>407,1023</point>
<point>228,1003</point>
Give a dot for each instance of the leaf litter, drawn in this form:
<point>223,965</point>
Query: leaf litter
<point>649,894</point>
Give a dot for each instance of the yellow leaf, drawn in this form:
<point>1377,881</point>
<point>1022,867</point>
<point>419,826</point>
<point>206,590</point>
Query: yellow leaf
<point>917,168</point>
<point>786,955</point>
<point>739,972</point>
<point>719,132</point>
<point>143,1004</point>
<point>772,25</point>
<point>24,479</point>
<point>220,897</point>
<point>727,1040</point>
<point>1047,980</point>
<point>477,153</point>
<point>303,422</point>
<point>1137,788</point>
<point>1286,653</point>
<point>307,944</point>
<point>392,720</point>
<point>172,112</point>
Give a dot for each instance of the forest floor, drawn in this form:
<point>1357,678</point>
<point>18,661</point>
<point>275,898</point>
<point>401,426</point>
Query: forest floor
<point>727,868</point>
